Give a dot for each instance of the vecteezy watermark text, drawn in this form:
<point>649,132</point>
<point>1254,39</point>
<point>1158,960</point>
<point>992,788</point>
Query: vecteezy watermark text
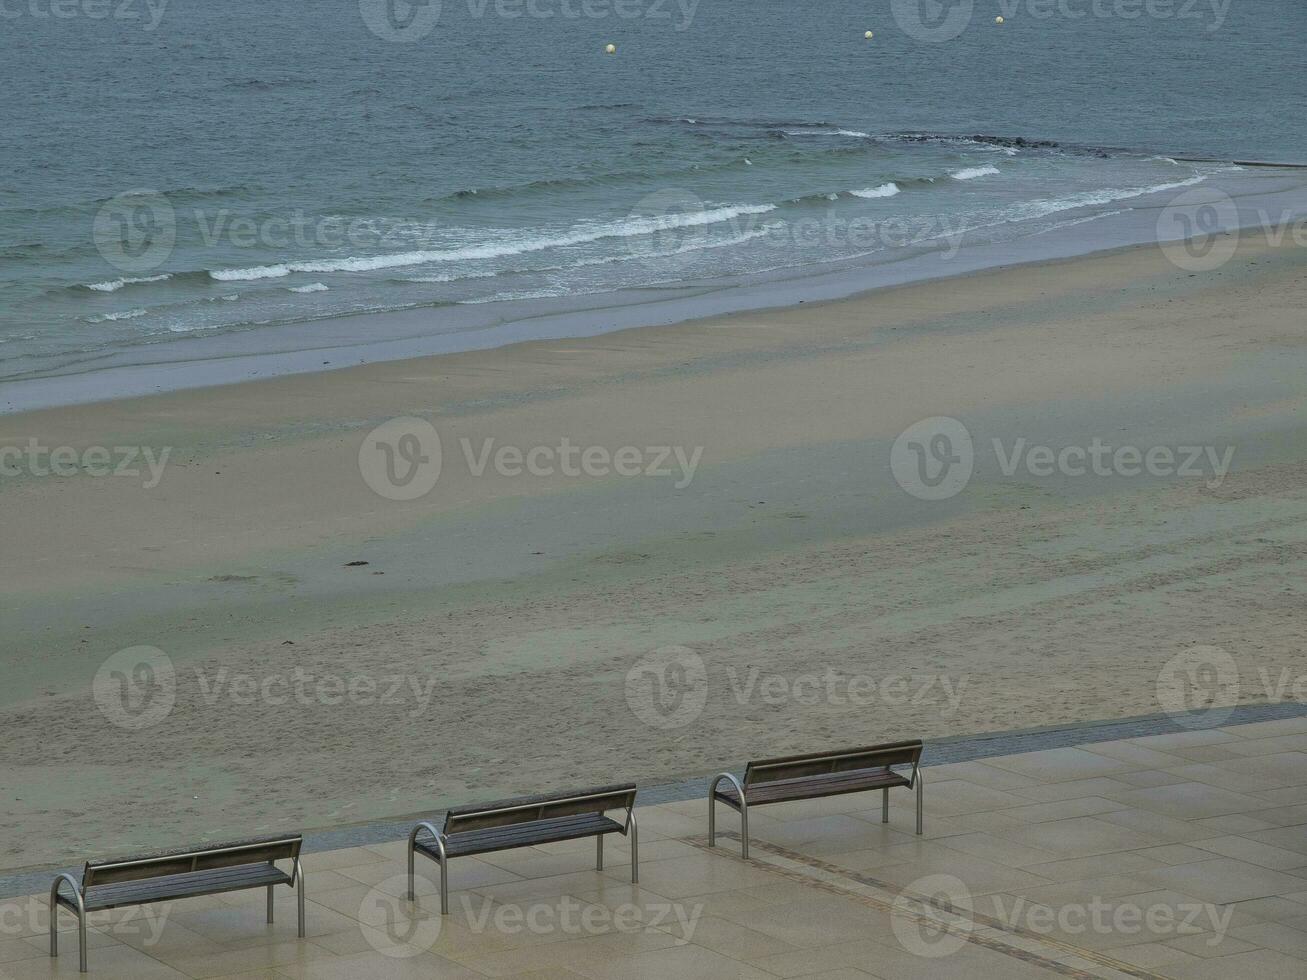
<point>401,929</point>
<point>146,12</point>
<point>138,688</point>
<point>30,916</point>
<point>936,915</point>
<point>1201,686</point>
<point>402,459</point>
<point>38,460</point>
<point>668,688</point>
<point>935,21</point>
<point>409,21</point>
<point>934,459</point>
<point>1201,229</point>
<point>670,227</point>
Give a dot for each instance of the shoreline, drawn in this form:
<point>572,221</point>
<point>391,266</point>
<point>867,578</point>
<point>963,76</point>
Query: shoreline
<point>333,344</point>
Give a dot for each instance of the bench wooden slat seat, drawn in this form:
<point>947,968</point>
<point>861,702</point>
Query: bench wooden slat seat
<point>811,787</point>
<point>524,822</point>
<point>522,835</point>
<point>190,885</point>
<point>817,774</point>
<point>170,875</point>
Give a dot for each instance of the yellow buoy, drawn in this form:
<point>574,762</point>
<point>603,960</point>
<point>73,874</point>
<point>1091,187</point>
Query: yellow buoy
<point>610,49</point>
<point>998,20</point>
<point>869,35</point>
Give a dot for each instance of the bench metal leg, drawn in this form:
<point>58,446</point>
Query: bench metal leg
<point>635,849</point>
<point>599,852</point>
<point>884,805</point>
<point>81,919</point>
<point>444,889</point>
<point>81,942</point>
<point>299,889</point>
<point>920,783</point>
<point>269,904</point>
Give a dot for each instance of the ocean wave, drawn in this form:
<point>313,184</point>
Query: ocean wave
<point>578,235</point>
<point>1072,222</point>
<point>855,133</point>
<point>456,276</point>
<point>113,285</point>
<point>884,190</point>
<point>971,173</point>
<point>313,287</point>
<point>1109,195</point>
<point>108,317</point>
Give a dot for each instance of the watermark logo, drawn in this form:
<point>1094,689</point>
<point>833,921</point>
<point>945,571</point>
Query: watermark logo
<point>932,21</point>
<point>146,12</point>
<point>670,225</point>
<point>35,459</point>
<point>1198,230</point>
<point>1178,10</point>
<point>570,916</point>
<point>933,459</point>
<point>935,916</point>
<point>141,925</point>
<point>668,688</point>
<point>931,917</point>
<point>306,688</point>
<point>403,21</point>
<point>135,231</point>
<point>670,228</point>
<point>136,688</point>
<point>406,22</point>
<point>394,926</point>
<point>401,459</point>
<point>1199,687</point>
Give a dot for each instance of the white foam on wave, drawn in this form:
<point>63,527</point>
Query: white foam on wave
<point>854,133</point>
<point>113,285</point>
<point>313,287</point>
<point>108,317</point>
<point>1038,209</point>
<point>884,190</point>
<point>452,277</point>
<point>971,173</point>
<point>578,235</point>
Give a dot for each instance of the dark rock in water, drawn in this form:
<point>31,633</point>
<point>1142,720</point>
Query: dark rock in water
<point>355,564</point>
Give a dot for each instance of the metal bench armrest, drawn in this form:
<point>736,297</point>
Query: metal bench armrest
<point>431,829</point>
<point>74,884</point>
<point>712,811</point>
<point>729,777</point>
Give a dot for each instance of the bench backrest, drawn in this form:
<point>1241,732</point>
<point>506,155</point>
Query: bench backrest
<point>527,809</point>
<point>260,851</point>
<point>844,760</point>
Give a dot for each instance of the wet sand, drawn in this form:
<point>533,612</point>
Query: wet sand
<point>495,651</point>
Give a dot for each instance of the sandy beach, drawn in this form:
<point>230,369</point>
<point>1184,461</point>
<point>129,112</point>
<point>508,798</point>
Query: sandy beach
<point>737,504</point>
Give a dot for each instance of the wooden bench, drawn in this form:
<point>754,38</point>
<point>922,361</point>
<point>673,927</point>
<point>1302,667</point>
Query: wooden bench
<point>805,777</point>
<point>173,875</point>
<point>524,822</point>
